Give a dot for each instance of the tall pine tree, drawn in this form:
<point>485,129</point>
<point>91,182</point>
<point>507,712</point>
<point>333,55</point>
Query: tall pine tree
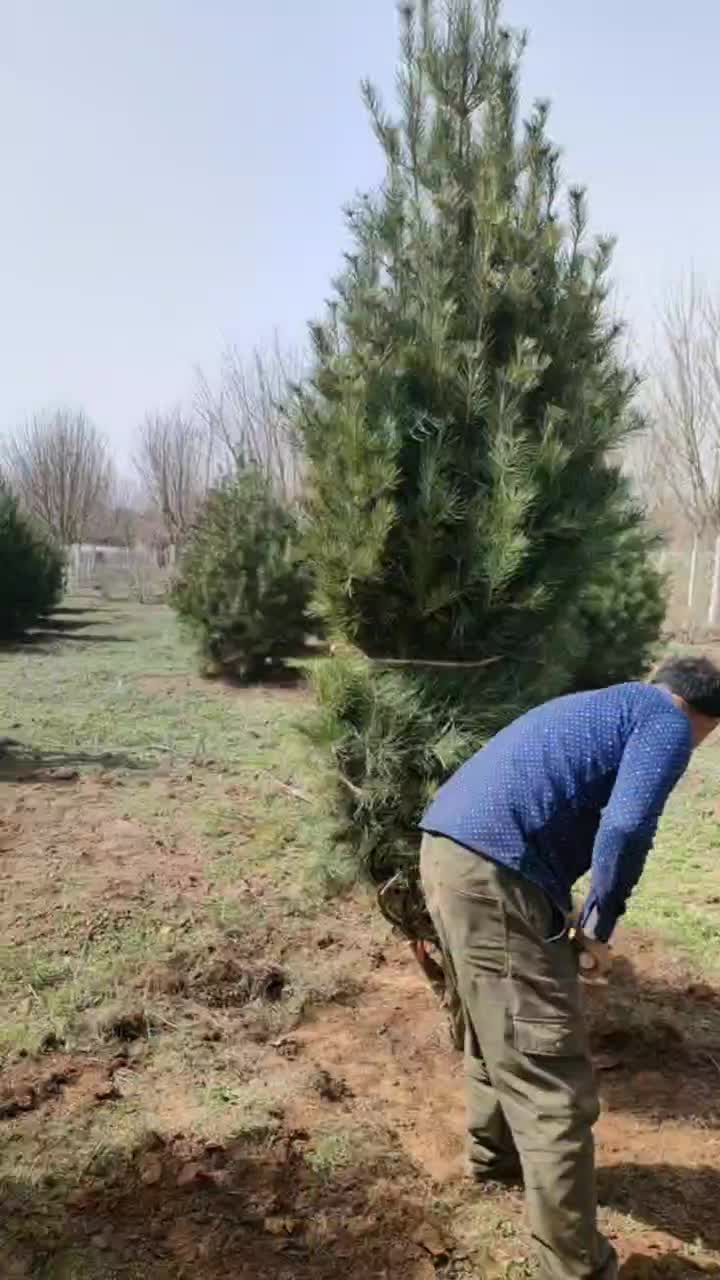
<point>468,399</point>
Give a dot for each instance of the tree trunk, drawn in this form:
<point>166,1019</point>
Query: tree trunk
<point>714,607</point>
<point>692,577</point>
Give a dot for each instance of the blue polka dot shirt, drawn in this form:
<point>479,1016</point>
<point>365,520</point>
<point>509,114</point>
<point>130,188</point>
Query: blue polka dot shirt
<point>578,783</point>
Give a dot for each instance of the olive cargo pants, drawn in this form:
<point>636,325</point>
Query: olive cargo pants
<point>529,1078</point>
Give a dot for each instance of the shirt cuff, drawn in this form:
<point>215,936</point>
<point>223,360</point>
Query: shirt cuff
<point>595,924</point>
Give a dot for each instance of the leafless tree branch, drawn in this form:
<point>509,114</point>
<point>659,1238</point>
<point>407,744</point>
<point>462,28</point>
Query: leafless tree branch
<point>643,463</point>
<point>246,413</point>
<point>687,416</point>
<point>687,404</point>
<point>58,465</point>
<point>175,461</point>
<point>119,518</point>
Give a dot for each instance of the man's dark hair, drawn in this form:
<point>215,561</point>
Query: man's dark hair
<point>696,680</point>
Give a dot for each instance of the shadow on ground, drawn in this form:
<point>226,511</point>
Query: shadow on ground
<point>67,623</point>
<point>86,612</point>
<point>65,626</point>
<point>23,764</point>
<point>273,1213</point>
<point>170,1211</point>
<point>670,1267</point>
<point>681,1201</point>
<point>274,676</point>
<point>658,1035</point>
<point>44,639</point>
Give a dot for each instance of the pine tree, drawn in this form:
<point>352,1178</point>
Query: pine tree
<point>31,570</point>
<point>241,587</point>
<point>468,397</point>
<point>619,614</point>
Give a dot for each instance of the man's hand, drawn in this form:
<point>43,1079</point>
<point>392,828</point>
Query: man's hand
<point>595,960</point>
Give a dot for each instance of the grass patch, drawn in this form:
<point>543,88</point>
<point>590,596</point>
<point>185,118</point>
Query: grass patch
<point>58,994</point>
<point>679,894</point>
<point>253,1110</point>
<point>123,682</point>
<point>331,1152</point>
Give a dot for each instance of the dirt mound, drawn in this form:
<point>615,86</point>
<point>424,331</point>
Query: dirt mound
<point>392,1052</point>
<point>228,983</point>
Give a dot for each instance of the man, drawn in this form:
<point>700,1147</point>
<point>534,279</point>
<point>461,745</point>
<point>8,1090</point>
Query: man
<point>578,784</point>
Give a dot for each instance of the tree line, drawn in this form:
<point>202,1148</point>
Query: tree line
<point>60,467</point>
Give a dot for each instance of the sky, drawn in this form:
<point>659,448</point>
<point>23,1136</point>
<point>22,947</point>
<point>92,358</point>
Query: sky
<point>174,171</point>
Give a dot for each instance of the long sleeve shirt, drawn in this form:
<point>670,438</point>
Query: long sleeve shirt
<point>575,785</point>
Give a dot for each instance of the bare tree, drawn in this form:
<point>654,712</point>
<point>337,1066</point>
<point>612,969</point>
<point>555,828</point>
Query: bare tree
<point>687,412</point>
<point>643,463</point>
<point>58,465</point>
<point>247,413</point>
<point>176,463</point>
<point>118,517</point>
<point>712,376</point>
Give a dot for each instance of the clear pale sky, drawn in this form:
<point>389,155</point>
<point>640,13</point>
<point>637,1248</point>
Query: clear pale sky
<point>173,172</point>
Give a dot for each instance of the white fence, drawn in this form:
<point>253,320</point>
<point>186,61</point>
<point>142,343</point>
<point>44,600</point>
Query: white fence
<point>144,572</point>
<point>694,596</point>
<point>139,572</point>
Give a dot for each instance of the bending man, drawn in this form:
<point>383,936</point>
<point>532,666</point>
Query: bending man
<point>575,785</point>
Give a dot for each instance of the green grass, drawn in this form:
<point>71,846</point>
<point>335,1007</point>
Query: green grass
<point>50,991</point>
<point>679,894</point>
<point>87,691</point>
<point>330,1152</point>
<point>252,1110</point>
<point>203,768</point>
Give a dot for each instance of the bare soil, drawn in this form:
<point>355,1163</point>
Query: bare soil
<point>358,1169</point>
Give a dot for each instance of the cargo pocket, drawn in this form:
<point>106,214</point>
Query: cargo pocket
<point>484,944</point>
<point>557,1073</point>
<point>549,1038</point>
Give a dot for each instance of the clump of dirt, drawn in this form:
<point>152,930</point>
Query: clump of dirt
<point>29,1086</point>
<point>653,1014</point>
<point>168,979</point>
<point>125,1023</point>
<point>129,1026</point>
<point>16,1101</point>
<point>332,1088</point>
<point>228,983</point>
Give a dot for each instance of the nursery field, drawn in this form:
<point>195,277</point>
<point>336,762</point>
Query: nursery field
<point>211,1068</point>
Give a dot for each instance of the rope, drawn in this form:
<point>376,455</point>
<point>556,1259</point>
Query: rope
<point>432,662</point>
